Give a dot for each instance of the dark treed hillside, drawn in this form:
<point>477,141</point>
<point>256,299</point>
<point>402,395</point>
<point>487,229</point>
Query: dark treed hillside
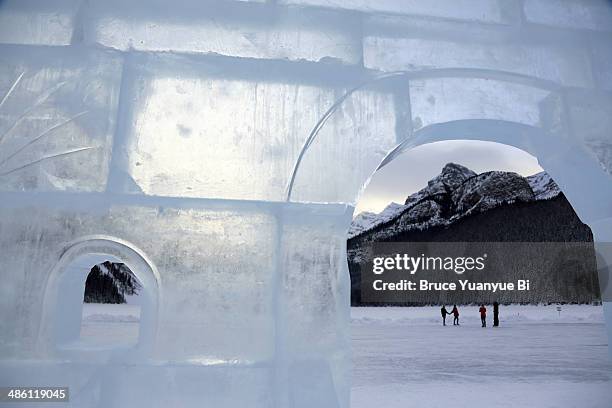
<point>110,282</point>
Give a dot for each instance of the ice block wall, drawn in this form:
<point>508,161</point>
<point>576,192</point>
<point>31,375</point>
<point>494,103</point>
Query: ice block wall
<point>181,137</point>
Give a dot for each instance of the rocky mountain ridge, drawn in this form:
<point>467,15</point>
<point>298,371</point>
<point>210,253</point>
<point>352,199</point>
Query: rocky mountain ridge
<point>455,193</point>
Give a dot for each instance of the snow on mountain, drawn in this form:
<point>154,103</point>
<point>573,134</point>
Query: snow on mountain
<point>455,193</point>
<point>489,190</point>
<point>362,222</point>
<point>451,177</point>
<point>368,220</point>
<point>391,211</point>
<point>543,186</point>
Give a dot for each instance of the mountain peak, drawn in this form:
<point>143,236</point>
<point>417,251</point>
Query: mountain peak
<point>367,220</point>
<point>457,192</point>
<point>454,174</point>
<point>455,168</point>
<point>451,177</point>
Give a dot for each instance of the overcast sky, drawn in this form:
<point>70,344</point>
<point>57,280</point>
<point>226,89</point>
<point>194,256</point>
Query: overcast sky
<point>410,171</point>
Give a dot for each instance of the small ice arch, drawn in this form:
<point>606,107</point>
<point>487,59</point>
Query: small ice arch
<point>63,331</point>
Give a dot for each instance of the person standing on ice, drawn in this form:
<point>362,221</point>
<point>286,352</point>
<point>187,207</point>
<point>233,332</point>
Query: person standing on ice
<point>495,314</point>
<point>455,313</point>
<point>483,315</point>
<point>444,312</point>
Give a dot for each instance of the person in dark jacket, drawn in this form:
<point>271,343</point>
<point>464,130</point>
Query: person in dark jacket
<point>444,312</point>
<point>455,313</point>
<point>495,314</point>
<point>483,315</point>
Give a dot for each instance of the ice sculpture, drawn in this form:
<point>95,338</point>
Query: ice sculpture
<point>217,148</point>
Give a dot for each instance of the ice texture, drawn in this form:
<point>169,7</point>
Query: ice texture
<point>593,14</point>
<point>217,148</point>
<point>442,99</point>
<point>58,116</point>
<point>351,145</point>
<point>488,11</point>
<point>563,65</point>
<point>315,302</point>
<point>253,157</point>
<point>34,22</point>
<point>231,140</point>
<point>602,54</point>
<point>590,112</point>
<point>225,29</point>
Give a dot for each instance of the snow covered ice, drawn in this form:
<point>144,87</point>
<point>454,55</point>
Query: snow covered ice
<point>218,148</point>
<point>404,357</point>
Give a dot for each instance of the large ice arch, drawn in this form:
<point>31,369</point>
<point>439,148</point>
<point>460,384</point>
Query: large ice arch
<point>62,304</point>
<point>585,183</point>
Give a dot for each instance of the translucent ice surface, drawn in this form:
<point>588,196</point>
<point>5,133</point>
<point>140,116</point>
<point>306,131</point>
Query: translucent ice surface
<point>479,10</point>
<point>232,139</point>
<point>564,65</point>
<point>434,101</point>
<point>595,14</point>
<point>217,148</point>
<point>35,22</point>
<point>225,28</point>
<point>58,111</point>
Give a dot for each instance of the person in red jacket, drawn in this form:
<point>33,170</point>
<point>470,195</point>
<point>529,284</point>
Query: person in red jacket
<point>455,313</point>
<point>483,315</point>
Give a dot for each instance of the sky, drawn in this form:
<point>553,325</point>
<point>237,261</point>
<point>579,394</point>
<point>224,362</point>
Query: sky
<point>411,171</point>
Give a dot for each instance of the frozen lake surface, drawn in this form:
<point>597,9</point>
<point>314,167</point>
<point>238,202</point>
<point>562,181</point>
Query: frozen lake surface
<point>404,357</point>
<point>106,325</point>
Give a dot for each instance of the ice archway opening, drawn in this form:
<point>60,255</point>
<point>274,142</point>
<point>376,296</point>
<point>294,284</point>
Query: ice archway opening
<point>538,126</point>
<point>61,321</point>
